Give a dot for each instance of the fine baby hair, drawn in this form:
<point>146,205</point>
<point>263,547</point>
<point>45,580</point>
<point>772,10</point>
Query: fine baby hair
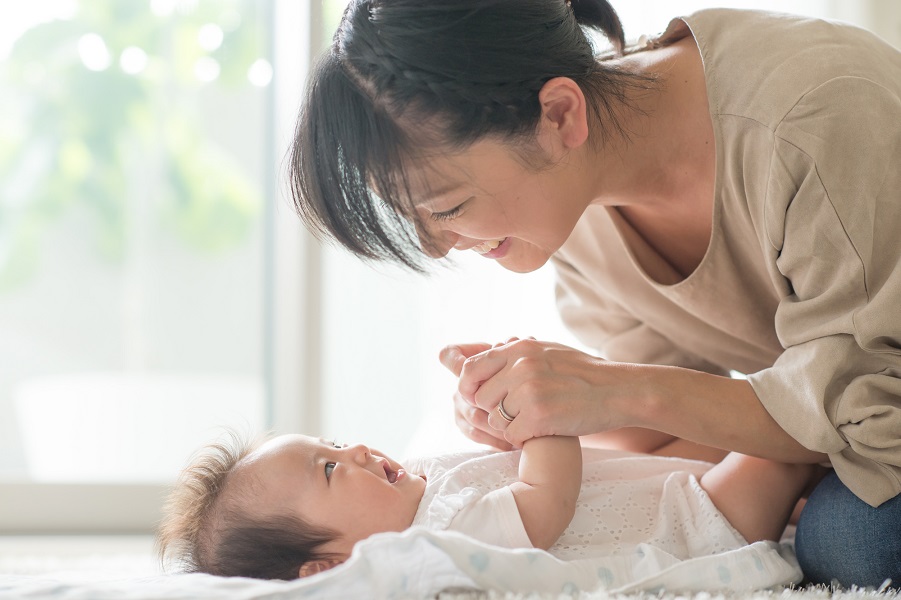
<point>208,527</point>
<point>407,79</point>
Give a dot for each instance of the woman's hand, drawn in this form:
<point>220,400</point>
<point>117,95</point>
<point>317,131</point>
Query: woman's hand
<point>551,389</point>
<point>548,389</point>
<point>470,419</point>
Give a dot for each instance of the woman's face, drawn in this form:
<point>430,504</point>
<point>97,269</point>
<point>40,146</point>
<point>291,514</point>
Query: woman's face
<point>487,200</point>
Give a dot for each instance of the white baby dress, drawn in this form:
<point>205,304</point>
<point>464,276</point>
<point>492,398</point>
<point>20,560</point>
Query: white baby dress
<point>626,500</point>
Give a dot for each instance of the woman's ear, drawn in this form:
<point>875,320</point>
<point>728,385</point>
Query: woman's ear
<point>564,111</point>
<point>318,566</point>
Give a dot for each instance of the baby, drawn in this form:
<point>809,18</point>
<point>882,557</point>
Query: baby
<point>295,505</point>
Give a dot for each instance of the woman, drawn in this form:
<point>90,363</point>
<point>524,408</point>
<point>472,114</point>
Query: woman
<point>724,197</point>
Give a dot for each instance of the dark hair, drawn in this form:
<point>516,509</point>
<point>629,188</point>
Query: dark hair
<point>272,549</point>
<point>207,529</point>
<point>408,78</point>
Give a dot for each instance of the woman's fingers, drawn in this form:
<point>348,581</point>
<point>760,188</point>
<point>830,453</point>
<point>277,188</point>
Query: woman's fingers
<point>454,355</point>
<point>517,434</point>
<point>478,369</point>
<point>474,424</point>
<point>480,437</point>
<point>500,418</point>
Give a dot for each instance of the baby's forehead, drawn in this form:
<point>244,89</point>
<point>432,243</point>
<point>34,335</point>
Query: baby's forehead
<point>275,457</point>
<point>270,472</point>
<point>280,445</point>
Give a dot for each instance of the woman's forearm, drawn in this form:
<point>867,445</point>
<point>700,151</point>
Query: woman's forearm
<point>713,411</point>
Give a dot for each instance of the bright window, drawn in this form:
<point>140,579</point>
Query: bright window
<point>136,174</point>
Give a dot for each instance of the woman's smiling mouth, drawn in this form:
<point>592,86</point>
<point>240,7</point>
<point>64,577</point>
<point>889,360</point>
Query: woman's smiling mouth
<point>493,248</point>
<point>486,247</point>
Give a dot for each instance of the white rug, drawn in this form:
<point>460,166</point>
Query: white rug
<point>85,559</point>
<point>805,593</point>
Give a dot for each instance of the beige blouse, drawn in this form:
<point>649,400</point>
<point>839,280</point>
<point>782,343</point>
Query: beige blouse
<point>800,287</point>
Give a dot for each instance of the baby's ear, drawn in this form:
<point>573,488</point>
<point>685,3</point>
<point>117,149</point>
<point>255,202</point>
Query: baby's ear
<point>318,566</point>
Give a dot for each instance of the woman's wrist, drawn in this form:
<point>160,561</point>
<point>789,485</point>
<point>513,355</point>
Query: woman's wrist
<point>642,398</point>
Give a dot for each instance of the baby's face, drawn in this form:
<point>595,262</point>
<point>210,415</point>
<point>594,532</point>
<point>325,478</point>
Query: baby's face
<point>352,490</point>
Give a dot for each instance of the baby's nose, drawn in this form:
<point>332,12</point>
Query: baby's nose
<point>360,453</point>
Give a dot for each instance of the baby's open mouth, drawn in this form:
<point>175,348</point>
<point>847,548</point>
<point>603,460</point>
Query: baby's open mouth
<point>391,475</point>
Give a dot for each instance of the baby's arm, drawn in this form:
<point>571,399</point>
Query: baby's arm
<point>550,478</point>
<point>756,495</point>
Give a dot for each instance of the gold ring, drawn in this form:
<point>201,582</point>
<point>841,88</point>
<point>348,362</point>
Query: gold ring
<point>504,413</point>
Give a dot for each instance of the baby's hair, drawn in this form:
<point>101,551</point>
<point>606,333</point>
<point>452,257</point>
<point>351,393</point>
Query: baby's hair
<point>207,528</point>
<point>408,79</point>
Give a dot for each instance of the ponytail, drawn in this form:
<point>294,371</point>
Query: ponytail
<point>600,15</point>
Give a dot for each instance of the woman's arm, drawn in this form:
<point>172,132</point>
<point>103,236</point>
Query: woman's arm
<point>550,478</point>
<point>555,390</point>
<point>716,411</point>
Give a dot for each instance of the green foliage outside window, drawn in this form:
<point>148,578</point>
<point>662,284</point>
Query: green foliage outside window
<point>76,138</point>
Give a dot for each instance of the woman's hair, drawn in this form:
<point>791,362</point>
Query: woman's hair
<point>207,528</point>
<point>406,79</point>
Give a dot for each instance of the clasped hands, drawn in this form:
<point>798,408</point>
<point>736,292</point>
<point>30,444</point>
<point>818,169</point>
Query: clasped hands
<point>547,388</point>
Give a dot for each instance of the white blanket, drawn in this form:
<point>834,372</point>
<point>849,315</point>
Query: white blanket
<point>420,563</point>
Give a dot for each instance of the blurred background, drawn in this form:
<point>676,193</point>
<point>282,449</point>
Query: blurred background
<point>155,285</point>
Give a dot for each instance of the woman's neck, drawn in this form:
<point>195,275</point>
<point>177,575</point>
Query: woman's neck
<point>668,153</point>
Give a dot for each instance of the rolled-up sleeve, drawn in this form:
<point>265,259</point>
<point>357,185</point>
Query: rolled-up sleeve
<point>834,223</point>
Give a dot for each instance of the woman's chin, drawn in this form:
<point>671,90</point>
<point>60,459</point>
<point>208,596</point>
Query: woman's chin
<point>519,263</point>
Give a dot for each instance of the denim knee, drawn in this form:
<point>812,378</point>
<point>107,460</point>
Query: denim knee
<point>842,538</point>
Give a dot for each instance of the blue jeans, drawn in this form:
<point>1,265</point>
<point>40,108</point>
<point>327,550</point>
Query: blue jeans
<point>841,537</point>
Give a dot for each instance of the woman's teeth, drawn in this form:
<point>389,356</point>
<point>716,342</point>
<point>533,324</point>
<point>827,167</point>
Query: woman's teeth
<point>486,247</point>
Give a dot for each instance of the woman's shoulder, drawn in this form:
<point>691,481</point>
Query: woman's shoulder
<point>759,64</point>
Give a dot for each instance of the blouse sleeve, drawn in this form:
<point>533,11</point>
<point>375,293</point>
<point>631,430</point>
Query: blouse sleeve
<point>604,325</point>
<point>833,221</point>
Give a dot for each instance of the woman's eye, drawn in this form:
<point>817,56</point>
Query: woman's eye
<point>329,467</point>
<point>448,214</point>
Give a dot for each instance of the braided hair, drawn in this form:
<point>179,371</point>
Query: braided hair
<point>407,78</point>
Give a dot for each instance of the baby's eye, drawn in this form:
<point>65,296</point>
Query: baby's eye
<point>329,467</point>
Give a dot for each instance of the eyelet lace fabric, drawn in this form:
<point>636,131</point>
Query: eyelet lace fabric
<point>626,500</point>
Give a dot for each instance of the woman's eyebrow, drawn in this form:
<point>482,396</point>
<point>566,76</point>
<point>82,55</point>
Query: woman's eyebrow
<point>433,196</point>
